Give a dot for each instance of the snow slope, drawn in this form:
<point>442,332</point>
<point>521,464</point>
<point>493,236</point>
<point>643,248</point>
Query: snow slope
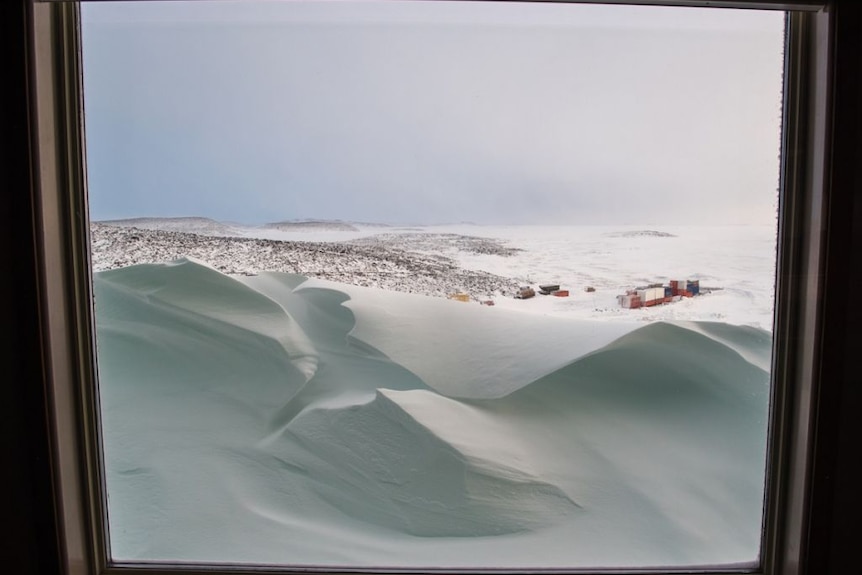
<point>274,419</point>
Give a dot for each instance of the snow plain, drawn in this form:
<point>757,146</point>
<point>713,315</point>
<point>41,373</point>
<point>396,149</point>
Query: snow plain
<point>486,262</point>
<point>265,417</point>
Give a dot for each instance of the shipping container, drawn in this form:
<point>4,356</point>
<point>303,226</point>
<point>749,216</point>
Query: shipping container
<point>560,293</point>
<point>656,294</point>
<point>526,292</point>
<point>629,301</point>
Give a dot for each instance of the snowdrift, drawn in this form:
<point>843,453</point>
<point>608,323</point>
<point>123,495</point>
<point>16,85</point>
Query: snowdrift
<point>271,419</point>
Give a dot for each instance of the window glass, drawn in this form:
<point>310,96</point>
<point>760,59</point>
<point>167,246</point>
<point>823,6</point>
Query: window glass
<point>433,284</point>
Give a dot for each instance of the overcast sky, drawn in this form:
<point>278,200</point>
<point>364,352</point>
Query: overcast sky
<point>432,112</point>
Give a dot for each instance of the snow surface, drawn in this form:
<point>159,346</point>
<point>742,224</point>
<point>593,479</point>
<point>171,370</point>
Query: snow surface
<point>289,394</point>
<point>277,419</point>
<point>490,262</point>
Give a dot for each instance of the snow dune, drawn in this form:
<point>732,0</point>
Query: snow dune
<point>274,419</point>
<point>485,353</point>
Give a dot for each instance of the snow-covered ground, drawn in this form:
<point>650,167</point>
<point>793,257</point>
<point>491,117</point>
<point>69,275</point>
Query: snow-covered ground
<point>191,225</point>
<point>276,419</point>
<point>484,262</point>
<point>289,394</point>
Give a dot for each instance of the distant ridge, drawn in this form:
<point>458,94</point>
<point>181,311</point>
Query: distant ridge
<point>318,225</point>
<point>191,225</point>
<point>311,225</point>
<point>640,234</point>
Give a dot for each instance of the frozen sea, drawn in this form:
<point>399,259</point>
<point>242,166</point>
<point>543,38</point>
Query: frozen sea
<point>271,417</point>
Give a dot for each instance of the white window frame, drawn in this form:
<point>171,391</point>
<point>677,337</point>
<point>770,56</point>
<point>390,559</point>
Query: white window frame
<point>68,324</point>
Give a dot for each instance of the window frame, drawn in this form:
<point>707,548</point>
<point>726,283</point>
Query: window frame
<point>66,317</point>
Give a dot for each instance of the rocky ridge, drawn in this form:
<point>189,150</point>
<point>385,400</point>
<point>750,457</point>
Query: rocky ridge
<point>380,264</point>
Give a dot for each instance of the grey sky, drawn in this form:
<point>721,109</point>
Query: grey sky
<point>428,112</point>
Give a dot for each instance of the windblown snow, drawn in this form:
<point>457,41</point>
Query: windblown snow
<point>262,402</point>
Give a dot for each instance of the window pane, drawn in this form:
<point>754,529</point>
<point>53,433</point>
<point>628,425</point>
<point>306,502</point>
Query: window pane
<point>433,284</point>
